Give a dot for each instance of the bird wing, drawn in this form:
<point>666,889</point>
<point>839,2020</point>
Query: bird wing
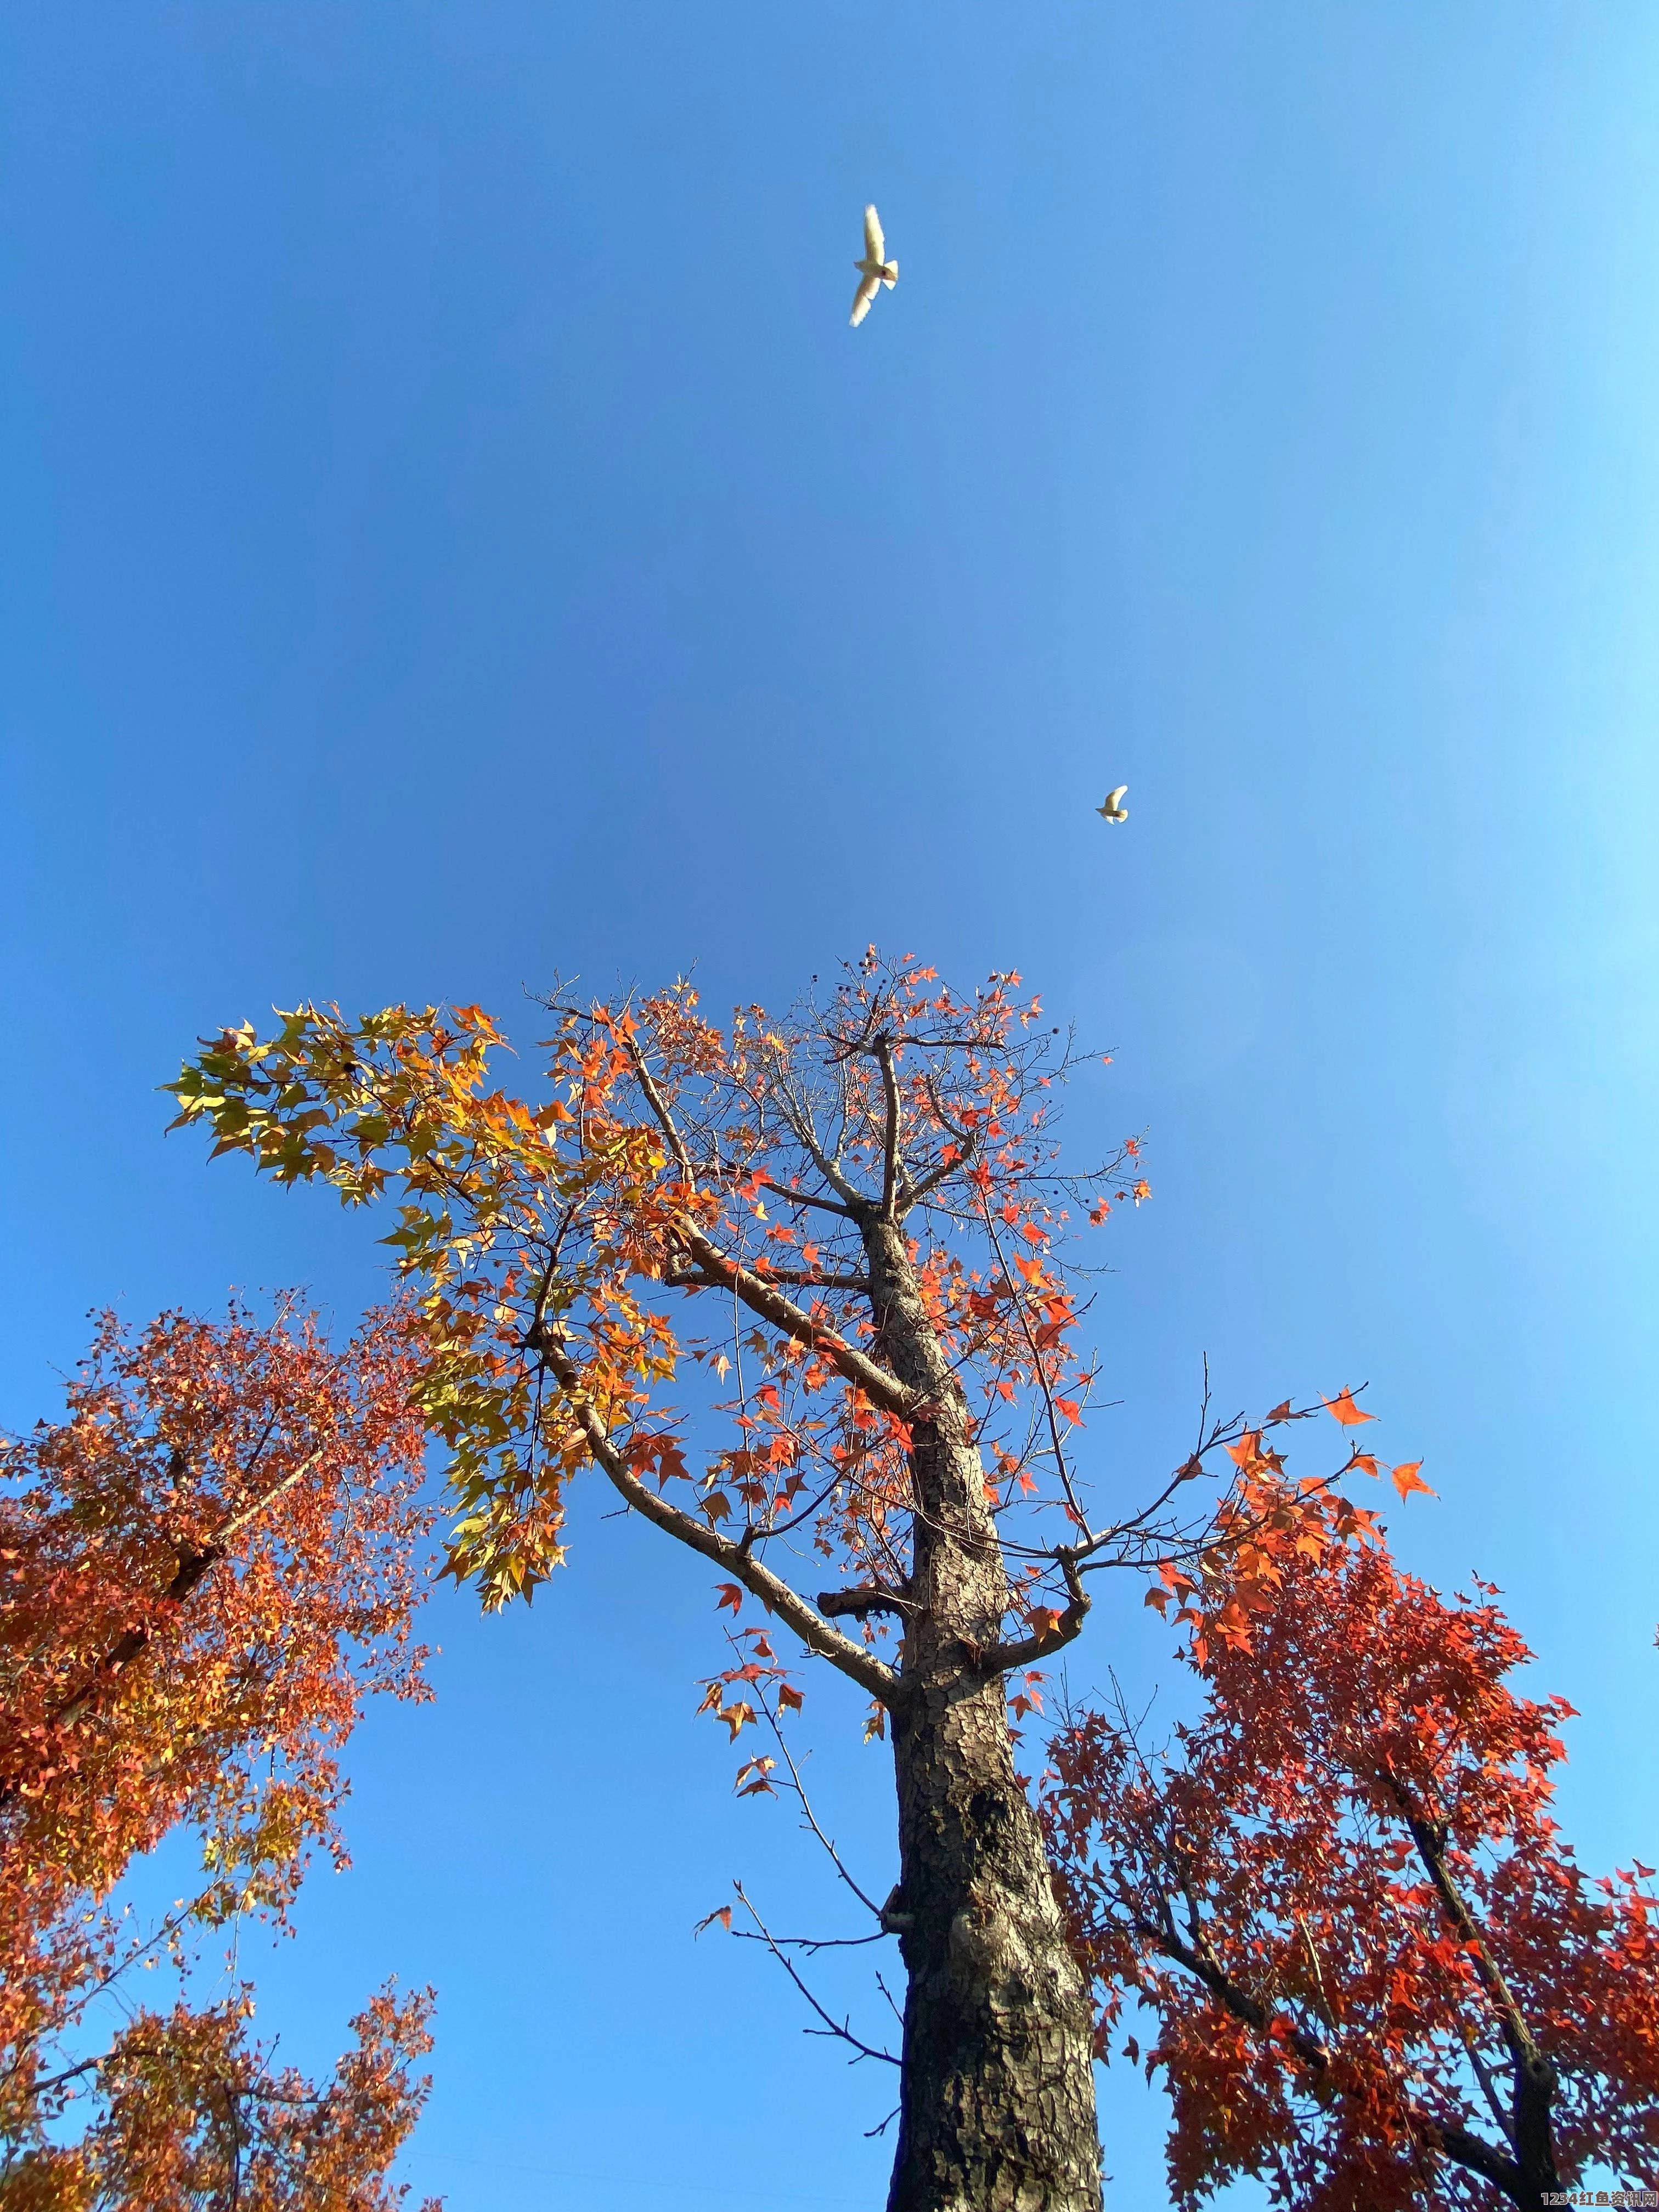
<point>1115,798</point>
<point>862,298</point>
<point>874,244</point>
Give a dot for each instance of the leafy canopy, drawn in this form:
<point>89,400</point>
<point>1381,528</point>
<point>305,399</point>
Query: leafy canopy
<point>1378,1974</point>
<point>205,1569</point>
<point>670,1233</point>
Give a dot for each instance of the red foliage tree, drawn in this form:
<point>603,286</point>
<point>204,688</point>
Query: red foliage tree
<point>204,1571</point>
<point>847,1237</point>
<point>1380,1978</point>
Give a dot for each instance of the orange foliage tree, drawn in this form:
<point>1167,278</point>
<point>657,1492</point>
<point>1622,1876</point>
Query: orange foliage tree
<point>1378,1974</point>
<point>204,1569</point>
<point>842,1245</point>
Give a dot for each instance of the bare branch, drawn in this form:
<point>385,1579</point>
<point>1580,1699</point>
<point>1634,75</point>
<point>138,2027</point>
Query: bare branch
<point>911,1195</point>
<point>840,2029</point>
<point>890,1157</point>
<point>798,1117</point>
<point>1430,1842</point>
<point>653,1099</point>
<point>966,1140</point>
<point>1001,1658</point>
<point>1073,1503</point>
<point>881,1387</point>
<point>813,1944</point>
<point>807,1276</point>
<point>807,1198</point>
<point>811,1818</point>
<point>876,1598</point>
<point>870,1672</point>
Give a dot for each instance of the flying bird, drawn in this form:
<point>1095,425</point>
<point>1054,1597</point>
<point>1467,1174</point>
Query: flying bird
<point>1115,810</point>
<point>874,271</point>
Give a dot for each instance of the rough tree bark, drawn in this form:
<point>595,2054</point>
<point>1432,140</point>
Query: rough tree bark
<point>997,2111</point>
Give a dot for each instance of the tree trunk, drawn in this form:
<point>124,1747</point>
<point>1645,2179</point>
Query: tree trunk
<point>997,2110</point>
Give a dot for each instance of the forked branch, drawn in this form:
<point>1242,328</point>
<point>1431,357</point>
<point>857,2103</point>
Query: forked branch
<point>841,2029</point>
<point>1002,1658</point>
<point>878,1383</point>
<point>870,1672</point>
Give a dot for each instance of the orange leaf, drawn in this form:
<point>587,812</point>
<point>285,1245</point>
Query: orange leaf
<point>730,1595</point>
<point>1343,1406</point>
<point>1407,1479</point>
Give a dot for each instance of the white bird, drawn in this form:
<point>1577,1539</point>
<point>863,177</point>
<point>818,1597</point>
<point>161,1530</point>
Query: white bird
<point>874,271</point>
<point>1115,810</point>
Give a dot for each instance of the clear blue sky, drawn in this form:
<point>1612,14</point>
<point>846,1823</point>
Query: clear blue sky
<point>449,532</point>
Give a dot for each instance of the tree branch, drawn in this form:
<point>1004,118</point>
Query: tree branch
<point>1001,1658</point>
<point>912,1194</point>
<point>1074,1505</point>
<point>806,1276</point>
<point>798,1115</point>
<point>876,1598</point>
<point>1432,1850</point>
<point>811,1819</point>
<point>1532,2132</point>
<point>808,1198</point>
<point>192,1566</point>
<point>831,2026</point>
<point>870,1672</point>
<point>881,1387</point>
<point>889,1171</point>
<point>1479,2156</point>
<point>1202,1967</point>
<point>653,1099</point>
<point>1458,2144</point>
<point>967,1142</point>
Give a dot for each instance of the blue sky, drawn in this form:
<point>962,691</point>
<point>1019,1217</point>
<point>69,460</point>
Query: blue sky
<point>450,533</point>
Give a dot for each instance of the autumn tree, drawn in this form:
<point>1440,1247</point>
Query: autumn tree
<point>205,1569</point>
<point>846,1237</point>
<point>1378,1975</point>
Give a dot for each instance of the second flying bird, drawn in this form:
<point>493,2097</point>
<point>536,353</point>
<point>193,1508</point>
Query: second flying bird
<point>874,271</point>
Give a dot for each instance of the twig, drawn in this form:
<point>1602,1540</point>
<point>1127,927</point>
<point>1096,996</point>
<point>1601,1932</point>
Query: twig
<point>805,1802</point>
<point>841,2029</point>
<point>1079,1518</point>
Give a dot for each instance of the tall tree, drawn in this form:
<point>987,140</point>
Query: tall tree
<point>1379,1976</point>
<point>204,1571</point>
<point>847,1234</point>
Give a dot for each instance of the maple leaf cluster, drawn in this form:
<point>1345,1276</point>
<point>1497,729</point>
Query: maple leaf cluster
<point>205,1569</point>
<point>193,2117</point>
<point>1378,1974</point>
